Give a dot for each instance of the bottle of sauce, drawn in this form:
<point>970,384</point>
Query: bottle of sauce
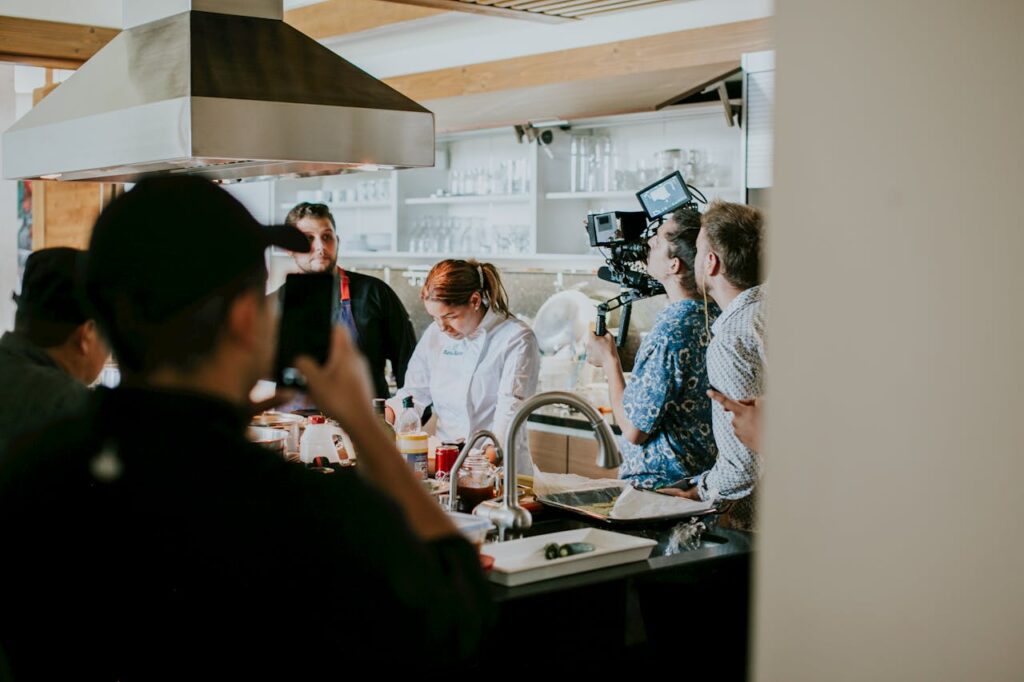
<point>413,447</point>
<point>379,408</point>
<point>408,421</point>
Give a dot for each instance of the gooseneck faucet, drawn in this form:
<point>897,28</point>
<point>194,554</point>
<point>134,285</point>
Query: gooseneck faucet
<point>453,475</point>
<point>508,515</point>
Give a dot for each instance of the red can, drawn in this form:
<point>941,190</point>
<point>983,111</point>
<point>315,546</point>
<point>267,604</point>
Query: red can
<point>445,457</point>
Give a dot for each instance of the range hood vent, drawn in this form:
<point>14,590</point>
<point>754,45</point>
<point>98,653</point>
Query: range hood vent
<point>223,89</point>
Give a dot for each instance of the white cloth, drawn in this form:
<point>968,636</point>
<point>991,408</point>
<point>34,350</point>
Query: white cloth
<point>475,382</point>
<point>642,504</point>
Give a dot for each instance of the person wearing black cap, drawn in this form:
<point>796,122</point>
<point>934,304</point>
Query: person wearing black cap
<point>54,351</point>
<point>149,539</point>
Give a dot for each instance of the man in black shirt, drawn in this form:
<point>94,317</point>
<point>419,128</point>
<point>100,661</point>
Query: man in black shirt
<point>149,539</point>
<point>54,351</point>
<point>365,305</point>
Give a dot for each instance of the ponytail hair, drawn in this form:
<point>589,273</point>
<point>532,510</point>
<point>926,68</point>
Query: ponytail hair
<point>453,282</point>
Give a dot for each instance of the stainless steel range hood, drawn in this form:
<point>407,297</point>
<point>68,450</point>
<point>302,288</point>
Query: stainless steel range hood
<point>219,88</point>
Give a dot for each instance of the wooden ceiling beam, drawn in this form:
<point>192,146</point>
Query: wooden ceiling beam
<point>50,43</point>
<point>693,47</point>
<point>338,17</point>
<point>484,9</point>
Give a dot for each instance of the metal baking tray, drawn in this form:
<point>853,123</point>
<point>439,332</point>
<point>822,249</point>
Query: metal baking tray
<point>597,504</point>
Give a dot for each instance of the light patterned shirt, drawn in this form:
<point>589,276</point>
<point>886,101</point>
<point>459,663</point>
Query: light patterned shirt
<point>736,367</point>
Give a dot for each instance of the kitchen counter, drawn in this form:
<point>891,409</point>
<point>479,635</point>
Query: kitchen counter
<point>664,611</point>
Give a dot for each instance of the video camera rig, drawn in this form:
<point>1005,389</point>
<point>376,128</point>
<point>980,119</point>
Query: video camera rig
<point>625,235</point>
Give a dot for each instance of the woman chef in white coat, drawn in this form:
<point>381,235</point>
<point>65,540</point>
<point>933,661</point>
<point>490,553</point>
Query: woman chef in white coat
<point>478,362</point>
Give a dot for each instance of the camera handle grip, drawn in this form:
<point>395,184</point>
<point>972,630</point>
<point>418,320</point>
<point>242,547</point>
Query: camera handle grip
<point>601,328</point>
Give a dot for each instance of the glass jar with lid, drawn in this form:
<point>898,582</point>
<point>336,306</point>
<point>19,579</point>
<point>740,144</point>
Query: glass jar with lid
<point>476,481</point>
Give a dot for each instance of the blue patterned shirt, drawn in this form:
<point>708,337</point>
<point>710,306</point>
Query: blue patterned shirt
<point>666,398</point>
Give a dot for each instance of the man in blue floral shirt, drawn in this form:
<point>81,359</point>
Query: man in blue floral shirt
<point>664,411</point>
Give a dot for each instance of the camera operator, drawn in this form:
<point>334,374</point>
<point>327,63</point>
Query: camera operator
<point>664,412</point>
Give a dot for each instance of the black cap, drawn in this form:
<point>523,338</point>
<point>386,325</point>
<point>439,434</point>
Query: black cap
<point>48,288</point>
<point>173,241</point>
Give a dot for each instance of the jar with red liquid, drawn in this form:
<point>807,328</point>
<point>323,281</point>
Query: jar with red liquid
<point>476,481</point>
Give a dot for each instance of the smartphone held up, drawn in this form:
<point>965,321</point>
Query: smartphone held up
<point>305,324</point>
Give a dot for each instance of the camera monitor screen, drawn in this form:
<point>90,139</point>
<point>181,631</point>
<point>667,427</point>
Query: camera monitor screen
<point>606,228</point>
<point>664,196</point>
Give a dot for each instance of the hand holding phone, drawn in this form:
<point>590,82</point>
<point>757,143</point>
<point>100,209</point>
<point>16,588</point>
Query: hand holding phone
<point>305,324</point>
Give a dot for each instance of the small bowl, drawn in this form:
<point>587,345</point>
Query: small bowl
<point>270,438</point>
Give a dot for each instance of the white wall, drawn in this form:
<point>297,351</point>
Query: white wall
<point>891,545</point>
<point>93,12</point>
<point>8,208</point>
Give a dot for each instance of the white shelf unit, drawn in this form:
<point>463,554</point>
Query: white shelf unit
<point>709,192</point>
<point>472,199</point>
<point>344,206</point>
<point>486,225</point>
<point>364,225</point>
<point>547,219</point>
<point>636,141</point>
<point>581,196</point>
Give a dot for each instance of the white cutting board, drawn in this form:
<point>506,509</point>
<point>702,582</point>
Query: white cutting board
<point>518,562</point>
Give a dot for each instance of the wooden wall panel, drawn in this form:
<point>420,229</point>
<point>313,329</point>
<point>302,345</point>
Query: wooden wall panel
<point>582,455</point>
<point>549,451</point>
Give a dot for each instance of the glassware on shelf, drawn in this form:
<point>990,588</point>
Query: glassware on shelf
<point>460,236</point>
<point>466,237</point>
<point>485,238</point>
<point>574,163</point>
<point>592,163</point>
<point>504,177</point>
<point>606,171</point>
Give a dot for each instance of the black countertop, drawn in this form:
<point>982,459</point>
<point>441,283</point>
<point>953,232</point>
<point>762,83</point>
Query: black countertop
<point>663,614</point>
<point>716,545</point>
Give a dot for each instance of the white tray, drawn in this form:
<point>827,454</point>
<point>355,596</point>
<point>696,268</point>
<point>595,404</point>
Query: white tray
<point>518,562</point>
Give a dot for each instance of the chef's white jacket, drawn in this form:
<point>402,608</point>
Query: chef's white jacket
<point>475,382</point>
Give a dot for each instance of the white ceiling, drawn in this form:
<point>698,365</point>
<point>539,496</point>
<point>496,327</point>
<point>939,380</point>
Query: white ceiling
<point>457,38</point>
<point>453,38</point>
<point>92,12</point>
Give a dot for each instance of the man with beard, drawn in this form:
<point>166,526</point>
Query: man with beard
<point>365,305</point>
